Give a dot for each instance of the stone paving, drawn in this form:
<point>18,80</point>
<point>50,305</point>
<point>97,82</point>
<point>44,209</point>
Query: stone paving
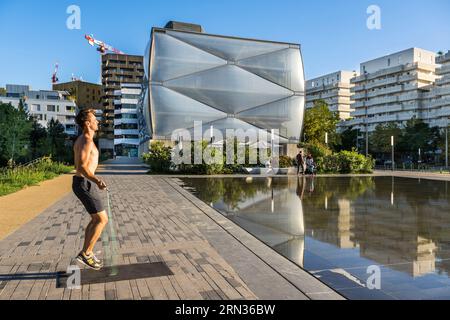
<point>156,222</point>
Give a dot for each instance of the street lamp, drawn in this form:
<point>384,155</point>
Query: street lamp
<point>446,145</point>
<point>392,145</point>
<point>326,138</point>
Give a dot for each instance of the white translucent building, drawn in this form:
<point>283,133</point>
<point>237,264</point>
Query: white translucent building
<point>225,82</point>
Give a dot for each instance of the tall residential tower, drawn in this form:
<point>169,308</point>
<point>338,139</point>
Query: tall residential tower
<point>117,69</point>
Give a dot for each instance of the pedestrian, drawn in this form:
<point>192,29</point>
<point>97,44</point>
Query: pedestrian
<point>300,163</point>
<point>85,185</point>
<point>310,165</point>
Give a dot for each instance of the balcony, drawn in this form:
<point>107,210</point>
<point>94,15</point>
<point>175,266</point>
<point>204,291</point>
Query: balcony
<point>358,104</point>
<point>340,100</point>
<point>390,90</point>
<point>135,142</point>
<point>443,81</point>
<point>438,102</point>
<point>125,111</point>
<point>408,97</point>
<point>443,70</point>
<point>443,91</point>
<point>119,132</point>
<point>124,121</point>
<point>426,77</point>
<point>382,101</point>
<point>382,83</point>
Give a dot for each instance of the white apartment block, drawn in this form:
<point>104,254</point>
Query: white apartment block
<point>126,130</point>
<point>334,89</point>
<point>392,88</point>
<point>437,97</point>
<point>44,105</point>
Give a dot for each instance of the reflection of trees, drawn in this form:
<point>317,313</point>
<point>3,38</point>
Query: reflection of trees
<point>335,188</point>
<point>230,190</point>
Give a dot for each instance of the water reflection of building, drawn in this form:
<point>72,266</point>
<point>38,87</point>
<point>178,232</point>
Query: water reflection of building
<point>335,223</point>
<point>275,217</point>
<point>393,234</point>
<point>396,235</point>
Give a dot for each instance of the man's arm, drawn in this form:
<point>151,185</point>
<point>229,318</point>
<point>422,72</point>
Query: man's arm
<point>85,153</point>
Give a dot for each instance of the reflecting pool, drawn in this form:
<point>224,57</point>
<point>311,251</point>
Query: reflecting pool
<point>366,237</point>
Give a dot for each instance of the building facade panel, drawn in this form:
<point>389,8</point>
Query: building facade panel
<point>227,81</point>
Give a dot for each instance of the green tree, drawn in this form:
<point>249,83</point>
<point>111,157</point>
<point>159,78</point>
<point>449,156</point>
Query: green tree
<point>57,139</point>
<point>38,140</point>
<point>418,134</point>
<point>319,120</point>
<point>348,139</point>
<point>15,128</point>
<point>2,92</point>
<point>380,139</point>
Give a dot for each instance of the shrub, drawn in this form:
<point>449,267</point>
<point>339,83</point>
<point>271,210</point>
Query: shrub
<point>286,162</point>
<point>159,158</point>
<point>319,153</point>
<point>347,162</point>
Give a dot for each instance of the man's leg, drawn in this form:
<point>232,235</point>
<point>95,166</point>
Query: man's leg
<point>94,231</point>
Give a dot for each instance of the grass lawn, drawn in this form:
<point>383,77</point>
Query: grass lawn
<point>13,180</point>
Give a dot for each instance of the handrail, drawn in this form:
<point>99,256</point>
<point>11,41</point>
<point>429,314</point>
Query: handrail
<point>28,164</point>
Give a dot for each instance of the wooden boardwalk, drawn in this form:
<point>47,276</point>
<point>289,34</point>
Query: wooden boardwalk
<point>156,221</point>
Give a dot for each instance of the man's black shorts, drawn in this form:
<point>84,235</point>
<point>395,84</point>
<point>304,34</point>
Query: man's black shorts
<point>87,192</point>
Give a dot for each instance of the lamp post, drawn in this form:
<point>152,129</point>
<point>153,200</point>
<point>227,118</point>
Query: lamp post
<point>212,134</point>
<point>326,138</point>
<point>446,145</point>
<point>392,145</point>
<point>420,159</point>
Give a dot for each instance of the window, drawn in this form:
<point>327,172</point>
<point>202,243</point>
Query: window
<point>51,108</point>
<point>36,107</point>
<point>389,62</point>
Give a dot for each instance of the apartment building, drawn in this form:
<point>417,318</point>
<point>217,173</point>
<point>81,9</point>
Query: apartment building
<point>126,131</point>
<point>116,70</point>
<point>392,88</point>
<point>437,97</point>
<point>44,105</point>
<point>334,89</point>
<point>85,94</point>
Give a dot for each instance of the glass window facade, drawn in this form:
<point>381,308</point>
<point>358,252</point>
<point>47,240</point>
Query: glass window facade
<point>228,83</point>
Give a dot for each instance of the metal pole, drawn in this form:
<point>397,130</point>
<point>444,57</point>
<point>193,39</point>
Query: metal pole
<point>392,145</point>
<point>446,146</point>
<point>367,139</point>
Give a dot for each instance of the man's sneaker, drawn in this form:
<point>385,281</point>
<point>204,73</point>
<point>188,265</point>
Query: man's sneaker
<point>100,262</point>
<point>91,261</point>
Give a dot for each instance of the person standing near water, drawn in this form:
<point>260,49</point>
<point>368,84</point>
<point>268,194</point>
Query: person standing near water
<point>86,185</point>
<point>300,163</point>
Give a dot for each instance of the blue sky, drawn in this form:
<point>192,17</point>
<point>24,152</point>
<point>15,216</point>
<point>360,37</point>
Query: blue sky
<point>333,33</point>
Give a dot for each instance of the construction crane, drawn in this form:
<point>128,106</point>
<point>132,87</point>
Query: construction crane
<point>54,76</point>
<point>103,48</point>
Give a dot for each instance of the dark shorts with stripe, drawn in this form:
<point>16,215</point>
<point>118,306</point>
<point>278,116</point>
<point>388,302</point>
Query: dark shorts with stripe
<point>87,192</point>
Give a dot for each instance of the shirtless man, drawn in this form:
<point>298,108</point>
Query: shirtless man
<point>85,185</point>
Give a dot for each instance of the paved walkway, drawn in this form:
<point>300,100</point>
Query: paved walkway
<point>414,174</point>
<point>158,224</point>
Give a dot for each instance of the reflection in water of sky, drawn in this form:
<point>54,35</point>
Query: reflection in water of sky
<point>336,227</point>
